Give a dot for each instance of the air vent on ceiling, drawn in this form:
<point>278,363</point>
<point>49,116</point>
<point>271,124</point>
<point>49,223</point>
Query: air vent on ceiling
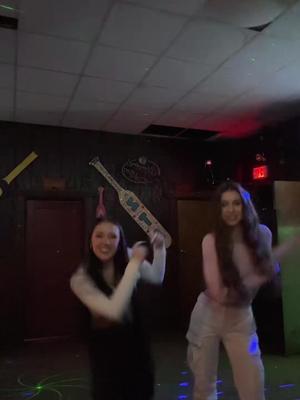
<point>8,22</point>
<point>162,130</point>
<point>178,132</point>
<point>198,134</point>
<point>259,28</point>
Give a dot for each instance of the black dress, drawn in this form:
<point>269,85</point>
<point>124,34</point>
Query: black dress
<point>120,357</point>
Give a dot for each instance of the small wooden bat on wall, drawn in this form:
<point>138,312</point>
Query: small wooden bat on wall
<point>133,205</point>
<point>17,170</point>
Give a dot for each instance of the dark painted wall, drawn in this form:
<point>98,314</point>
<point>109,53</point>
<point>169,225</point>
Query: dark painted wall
<point>65,153</point>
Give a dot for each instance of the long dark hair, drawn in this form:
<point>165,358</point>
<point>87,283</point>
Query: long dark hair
<point>94,265</point>
<point>252,236</point>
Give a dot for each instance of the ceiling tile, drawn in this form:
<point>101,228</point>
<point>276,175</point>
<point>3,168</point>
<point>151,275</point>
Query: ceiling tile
<point>264,55</point>
<point>6,104</point>
<point>6,114</point>
<point>156,98</point>
<point>231,81</point>
<point>287,25</point>
<point>32,101</point>
<point>179,74</point>
<point>208,41</point>
<point>264,96</point>
<point>280,85</point>
<point>201,102</point>
<point>141,29</point>
<point>211,124</point>
<point>46,82</point>
<point>8,40</point>
<point>51,53</point>
<point>7,76</point>
<point>88,115</point>
<point>243,13</point>
<point>6,98</point>
<point>126,112</point>
<point>287,78</point>
<point>249,101</point>
<point>128,126</point>
<point>182,119</point>
<point>95,89</point>
<point>189,8</point>
<point>74,19</point>
<point>111,63</point>
<point>137,112</point>
<point>152,61</point>
<point>40,109</point>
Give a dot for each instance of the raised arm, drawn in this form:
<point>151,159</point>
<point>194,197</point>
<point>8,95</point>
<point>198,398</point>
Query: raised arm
<point>288,246</point>
<point>282,250</point>
<point>96,301</point>
<point>154,272</point>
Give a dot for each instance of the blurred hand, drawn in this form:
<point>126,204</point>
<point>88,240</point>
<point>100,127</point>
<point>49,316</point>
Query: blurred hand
<point>157,239</point>
<point>139,251</point>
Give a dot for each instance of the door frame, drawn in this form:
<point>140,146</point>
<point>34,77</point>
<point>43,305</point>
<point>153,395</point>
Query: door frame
<point>19,252</point>
<point>174,251</point>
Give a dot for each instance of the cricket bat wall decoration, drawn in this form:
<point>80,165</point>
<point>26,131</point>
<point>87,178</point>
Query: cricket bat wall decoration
<point>132,204</point>
<point>17,170</point>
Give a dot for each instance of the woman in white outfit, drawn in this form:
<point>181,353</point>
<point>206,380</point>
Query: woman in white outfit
<point>121,362</point>
<point>237,260</point>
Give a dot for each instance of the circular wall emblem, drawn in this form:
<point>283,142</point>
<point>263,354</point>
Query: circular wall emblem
<point>140,170</point>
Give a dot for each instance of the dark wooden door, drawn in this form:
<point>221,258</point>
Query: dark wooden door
<point>194,221</point>
<point>54,247</point>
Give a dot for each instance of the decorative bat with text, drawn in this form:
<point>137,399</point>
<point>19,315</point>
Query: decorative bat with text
<point>17,170</point>
<point>133,205</point>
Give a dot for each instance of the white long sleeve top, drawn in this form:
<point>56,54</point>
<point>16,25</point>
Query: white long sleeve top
<point>114,307</point>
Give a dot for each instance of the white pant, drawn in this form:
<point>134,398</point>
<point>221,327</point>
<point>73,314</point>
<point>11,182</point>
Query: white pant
<point>212,323</point>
